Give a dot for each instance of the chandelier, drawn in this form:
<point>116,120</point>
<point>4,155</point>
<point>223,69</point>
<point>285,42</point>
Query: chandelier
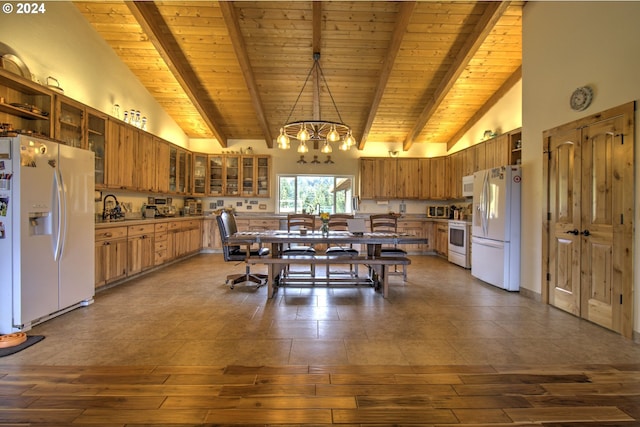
<point>311,131</point>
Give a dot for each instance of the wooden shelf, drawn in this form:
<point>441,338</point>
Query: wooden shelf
<point>21,112</point>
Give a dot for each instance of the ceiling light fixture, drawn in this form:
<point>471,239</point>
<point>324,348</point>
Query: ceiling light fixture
<point>316,130</point>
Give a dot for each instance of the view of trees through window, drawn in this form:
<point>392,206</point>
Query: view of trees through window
<point>314,193</point>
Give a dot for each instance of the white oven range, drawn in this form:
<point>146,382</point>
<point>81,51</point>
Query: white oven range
<point>460,243</point>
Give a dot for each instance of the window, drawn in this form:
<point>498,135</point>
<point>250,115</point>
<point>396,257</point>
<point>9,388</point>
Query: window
<point>314,193</point>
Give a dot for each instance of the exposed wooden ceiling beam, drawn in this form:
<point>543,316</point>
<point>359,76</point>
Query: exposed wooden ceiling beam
<point>316,45</point>
<point>152,23</point>
<point>400,29</point>
<point>508,84</point>
<point>231,20</point>
<point>483,28</point>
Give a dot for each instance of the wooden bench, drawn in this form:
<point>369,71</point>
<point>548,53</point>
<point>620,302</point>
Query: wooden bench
<point>379,267</point>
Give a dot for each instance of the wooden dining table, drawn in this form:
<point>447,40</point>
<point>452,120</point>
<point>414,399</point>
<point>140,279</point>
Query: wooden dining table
<point>373,241</point>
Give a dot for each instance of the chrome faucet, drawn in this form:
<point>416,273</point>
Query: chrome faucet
<point>114,213</point>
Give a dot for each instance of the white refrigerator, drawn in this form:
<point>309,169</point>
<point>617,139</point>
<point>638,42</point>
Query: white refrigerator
<point>46,231</point>
<point>495,230</point>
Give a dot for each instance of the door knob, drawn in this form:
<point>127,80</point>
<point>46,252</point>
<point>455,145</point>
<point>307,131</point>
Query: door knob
<point>586,233</point>
<point>575,232</point>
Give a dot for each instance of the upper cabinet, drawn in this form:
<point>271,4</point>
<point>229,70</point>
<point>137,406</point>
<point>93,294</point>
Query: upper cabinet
<point>435,178</point>
<point>162,149</point>
<point>96,137</point>
<point>515,146</point>
<point>199,174</point>
<point>24,106</point>
<point>216,174</point>
<point>180,167</point>
<point>408,178</point>
<point>255,175</point>
<point>378,178</point>
<point>70,125</point>
<point>232,175</point>
<point>238,175</point>
<point>497,151</point>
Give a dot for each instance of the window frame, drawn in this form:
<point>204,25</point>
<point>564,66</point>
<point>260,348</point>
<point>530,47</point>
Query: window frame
<point>349,192</point>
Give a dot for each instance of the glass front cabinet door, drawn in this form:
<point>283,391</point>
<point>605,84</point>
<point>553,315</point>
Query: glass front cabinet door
<point>70,124</point>
<point>96,131</point>
<point>199,174</point>
<point>263,169</point>
<point>216,173</point>
<point>248,176</point>
<point>232,175</point>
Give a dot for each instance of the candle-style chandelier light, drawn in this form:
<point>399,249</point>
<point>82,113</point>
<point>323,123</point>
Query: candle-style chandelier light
<point>315,130</point>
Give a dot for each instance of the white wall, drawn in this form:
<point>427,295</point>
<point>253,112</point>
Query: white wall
<point>504,116</point>
<point>567,45</point>
<point>62,44</point>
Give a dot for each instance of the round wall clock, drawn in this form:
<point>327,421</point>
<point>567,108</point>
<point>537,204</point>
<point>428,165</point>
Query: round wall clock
<point>581,98</point>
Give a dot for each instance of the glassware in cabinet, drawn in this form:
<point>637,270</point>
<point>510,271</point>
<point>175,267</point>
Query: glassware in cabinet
<point>216,174</point>
<point>96,131</point>
<point>173,169</point>
<point>199,173</point>
<point>232,175</point>
<point>248,176</point>
<point>70,123</point>
<point>262,176</point>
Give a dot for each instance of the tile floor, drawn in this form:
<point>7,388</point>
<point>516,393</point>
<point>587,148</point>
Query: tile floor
<point>184,315</point>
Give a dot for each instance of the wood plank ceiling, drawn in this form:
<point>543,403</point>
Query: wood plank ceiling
<point>399,71</point>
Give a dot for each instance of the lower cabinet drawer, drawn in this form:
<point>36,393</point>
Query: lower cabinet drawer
<point>160,257</point>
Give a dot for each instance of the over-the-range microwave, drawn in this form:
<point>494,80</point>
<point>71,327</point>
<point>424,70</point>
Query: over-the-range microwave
<point>437,211</point>
<point>467,186</point>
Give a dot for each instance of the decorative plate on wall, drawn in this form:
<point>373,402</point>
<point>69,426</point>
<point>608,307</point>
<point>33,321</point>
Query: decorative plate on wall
<point>581,98</point>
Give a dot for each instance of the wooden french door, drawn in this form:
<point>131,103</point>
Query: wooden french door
<point>590,191</point>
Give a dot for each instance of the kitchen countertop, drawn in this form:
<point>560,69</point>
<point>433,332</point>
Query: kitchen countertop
<point>125,222</point>
<point>137,221</point>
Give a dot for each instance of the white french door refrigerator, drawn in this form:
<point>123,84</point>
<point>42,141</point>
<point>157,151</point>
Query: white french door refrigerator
<point>46,230</point>
<point>495,230</point>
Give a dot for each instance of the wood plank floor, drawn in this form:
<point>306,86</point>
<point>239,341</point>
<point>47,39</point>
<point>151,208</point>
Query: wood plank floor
<point>480,395</point>
<point>178,348</point>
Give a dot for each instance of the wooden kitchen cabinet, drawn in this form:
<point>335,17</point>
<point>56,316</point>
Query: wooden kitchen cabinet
<point>145,172</point>
<point>254,176</point>
<point>263,176</point>
<point>199,174</point>
<point>36,104</point>
<point>160,243</point>
<point>515,146</point>
<point>110,255</point>
<point>70,122</point>
<point>497,151</point>
<point>216,175</point>
<point>408,178</point>
<point>438,179</point>
<point>378,178</point>
<point>140,248</point>
<point>161,169</point>
<point>183,238</point>
<point>120,155</point>
<point>474,159</point>
<point>414,227</point>
<point>232,175</point>
<point>210,235</point>
<point>456,172</point>
<point>425,179</point>
<point>180,164</point>
<point>441,238</point>
<point>96,136</point>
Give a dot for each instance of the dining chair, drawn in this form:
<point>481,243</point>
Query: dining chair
<point>388,223</point>
<point>338,222</point>
<point>227,227</point>
<point>297,222</point>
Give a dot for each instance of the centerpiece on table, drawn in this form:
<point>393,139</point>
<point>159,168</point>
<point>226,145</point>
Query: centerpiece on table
<point>324,228</point>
